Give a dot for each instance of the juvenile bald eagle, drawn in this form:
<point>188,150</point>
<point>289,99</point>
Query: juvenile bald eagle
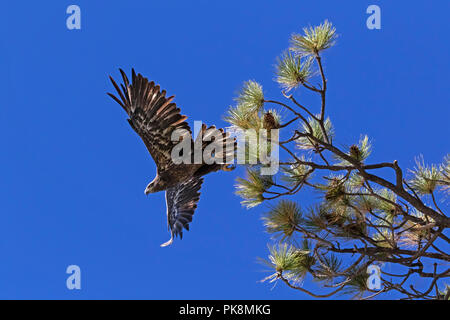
<point>155,117</point>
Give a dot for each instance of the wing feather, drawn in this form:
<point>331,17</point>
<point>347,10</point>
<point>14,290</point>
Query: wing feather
<point>181,202</point>
<point>151,114</point>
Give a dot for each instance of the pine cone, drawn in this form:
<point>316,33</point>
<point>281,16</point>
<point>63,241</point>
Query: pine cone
<point>269,121</point>
<point>355,152</point>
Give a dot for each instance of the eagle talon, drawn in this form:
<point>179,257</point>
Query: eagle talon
<point>229,167</point>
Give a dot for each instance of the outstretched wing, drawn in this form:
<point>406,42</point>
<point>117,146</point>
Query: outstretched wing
<point>153,116</point>
<point>181,202</point>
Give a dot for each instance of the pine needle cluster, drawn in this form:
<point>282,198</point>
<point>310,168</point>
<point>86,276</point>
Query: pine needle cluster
<point>253,187</point>
<point>314,39</point>
<point>306,143</point>
<point>283,219</point>
<point>292,71</point>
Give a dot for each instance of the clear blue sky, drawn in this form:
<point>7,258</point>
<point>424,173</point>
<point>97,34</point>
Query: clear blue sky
<point>73,172</point>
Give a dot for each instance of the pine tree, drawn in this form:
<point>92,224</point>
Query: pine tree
<point>362,218</point>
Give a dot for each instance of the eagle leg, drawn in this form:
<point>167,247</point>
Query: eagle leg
<point>168,243</point>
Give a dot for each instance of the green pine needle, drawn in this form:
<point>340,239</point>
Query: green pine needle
<point>307,144</point>
<point>359,152</point>
<point>358,283</point>
<point>336,191</point>
<point>291,71</point>
<point>356,182</point>
<point>314,39</point>
<point>242,118</point>
<point>329,267</point>
<point>288,260</point>
<point>253,188</point>
<point>384,238</point>
<point>296,173</point>
<point>444,292</point>
<point>387,207</point>
<point>374,204</point>
<point>425,178</point>
<point>251,96</point>
<point>445,174</point>
<point>283,219</point>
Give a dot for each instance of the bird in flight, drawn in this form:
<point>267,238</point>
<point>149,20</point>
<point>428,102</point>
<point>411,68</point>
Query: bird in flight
<point>156,119</point>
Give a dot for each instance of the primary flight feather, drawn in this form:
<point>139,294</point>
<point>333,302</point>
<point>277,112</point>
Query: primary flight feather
<point>155,117</point>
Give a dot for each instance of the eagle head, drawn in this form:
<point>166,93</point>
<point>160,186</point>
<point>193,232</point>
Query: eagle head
<point>153,186</point>
<point>149,188</point>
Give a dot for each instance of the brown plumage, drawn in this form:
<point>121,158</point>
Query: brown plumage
<point>155,117</point>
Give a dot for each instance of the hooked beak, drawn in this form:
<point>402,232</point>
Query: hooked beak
<point>147,191</point>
